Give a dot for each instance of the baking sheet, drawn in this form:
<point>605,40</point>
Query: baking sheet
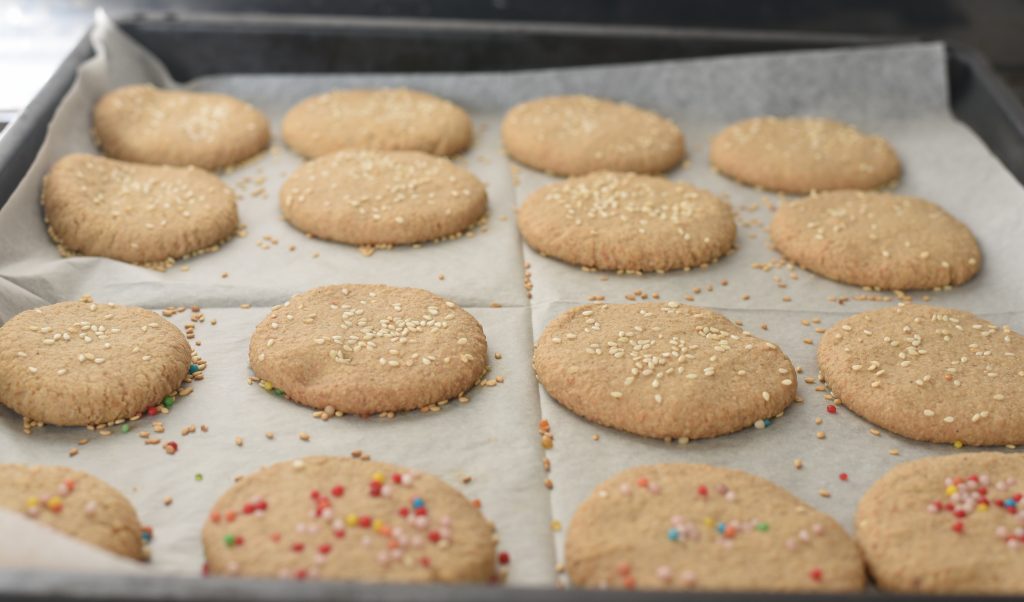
<point>898,91</point>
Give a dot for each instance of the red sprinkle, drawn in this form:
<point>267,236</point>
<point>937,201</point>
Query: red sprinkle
<point>248,508</point>
<point>503,558</point>
<point>843,476</point>
<point>152,411</point>
<point>434,536</point>
<point>230,516</point>
<point>314,494</point>
<point>425,561</point>
<point>365,521</point>
<point>629,582</point>
<point>815,574</point>
<point>642,482</point>
<point>298,546</point>
<point>831,409</point>
<point>403,511</point>
<point>300,574</point>
<point>261,505</point>
<point>958,527</point>
<point>215,517</point>
<point>339,533</point>
<point>396,478</point>
<point>337,491</point>
<point>275,536</point>
<point>702,490</point>
<point>239,540</point>
<point>325,548</point>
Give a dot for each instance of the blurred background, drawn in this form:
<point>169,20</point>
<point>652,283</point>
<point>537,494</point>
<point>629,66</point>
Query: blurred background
<point>35,35</point>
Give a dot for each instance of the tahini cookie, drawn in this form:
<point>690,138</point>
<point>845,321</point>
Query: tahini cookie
<point>698,527</point>
<point>80,363</point>
<point>947,525</point>
<point>146,124</point>
<point>344,519</point>
<point>929,373</point>
<point>575,135</point>
<point>136,213</point>
<point>801,154</point>
<point>75,503</point>
<point>382,197</point>
<point>629,222</point>
<point>379,119</point>
<point>876,239</point>
<point>368,348</point>
<point>662,370</point>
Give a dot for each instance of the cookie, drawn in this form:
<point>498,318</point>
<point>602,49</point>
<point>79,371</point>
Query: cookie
<point>381,119</point>
<point>698,527</point>
<point>627,222</point>
<point>929,373</point>
<point>75,503</point>
<point>801,154</point>
<point>137,213</point>
<point>946,525</point>
<point>145,124</point>
<point>876,239</point>
<point>662,370</point>
<point>342,519</point>
<point>575,135</point>
<point>368,348</point>
<point>382,197</point>
<point>80,363</point>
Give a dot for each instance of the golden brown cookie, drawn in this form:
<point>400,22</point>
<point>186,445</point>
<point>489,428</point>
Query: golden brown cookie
<point>626,221</point>
<point>75,503</point>
<point>382,197</point>
<point>662,370</point>
<point>698,527</point>
<point>929,373</point>
<point>381,119</point>
<point>80,363</point>
<point>368,348</point>
<point>145,124</point>
<point>337,518</point>
<point>876,239</point>
<point>136,213</point>
<point>801,154</point>
<point>575,135</point>
<point>947,525</point>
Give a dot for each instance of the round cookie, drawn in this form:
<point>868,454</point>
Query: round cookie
<point>142,214</point>
<point>876,239</point>
<point>801,154</point>
<point>381,119</point>
<point>369,348</point>
<point>382,197</point>
<point>80,363</point>
<point>929,373</point>
<point>662,370</point>
<point>575,135</point>
<point>946,525</point>
<point>628,222</point>
<point>75,503</point>
<point>343,519</point>
<point>698,527</point>
<point>145,124</point>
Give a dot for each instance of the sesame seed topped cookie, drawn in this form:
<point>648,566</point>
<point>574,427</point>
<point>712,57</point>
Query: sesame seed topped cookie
<point>141,214</point>
<point>79,363</point>
<point>629,222</point>
<point>381,119</point>
<point>367,348</point>
<point>338,518</point>
<point>929,373</point>
<point>698,527</point>
<point>876,239</point>
<point>801,154</point>
<point>145,124</point>
<point>575,135</point>
<point>75,503</point>
<point>662,370</point>
<point>382,197</point>
<point>947,525</point>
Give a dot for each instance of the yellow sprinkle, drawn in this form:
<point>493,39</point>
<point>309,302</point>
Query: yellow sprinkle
<point>958,444</point>
<point>32,501</point>
<point>351,520</point>
<point>951,490</point>
<point>556,525</point>
<point>709,521</point>
<point>982,507</point>
<point>378,477</point>
<point>377,524</point>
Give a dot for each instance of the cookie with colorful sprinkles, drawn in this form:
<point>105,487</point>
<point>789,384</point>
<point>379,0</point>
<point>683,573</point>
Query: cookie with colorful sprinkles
<point>342,519</point>
<point>75,503</point>
<point>576,134</point>
<point>367,348</point>
<point>929,373</point>
<point>628,222</point>
<point>146,124</point>
<point>80,363</point>
<point>947,525</point>
<point>382,197</point>
<point>662,370</point>
<point>699,527</point>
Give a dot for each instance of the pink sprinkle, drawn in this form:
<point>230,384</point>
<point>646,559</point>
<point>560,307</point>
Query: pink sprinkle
<point>730,496</point>
<point>804,535</point>
<point>654,488</point>
<point>664,573</point>
<point>687,577</point>
<point>817,528</point>
<point>790,543</point>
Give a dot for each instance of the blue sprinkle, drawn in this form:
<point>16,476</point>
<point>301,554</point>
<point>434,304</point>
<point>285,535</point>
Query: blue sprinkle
<point>193,369</point>
<point>673,534</point>
<point>720,527</point>
<point>1010,502</point>
<point>767,422</point>
<point>418,503</point>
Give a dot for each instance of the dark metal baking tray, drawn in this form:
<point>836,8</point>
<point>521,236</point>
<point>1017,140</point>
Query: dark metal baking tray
<point>196,44</point>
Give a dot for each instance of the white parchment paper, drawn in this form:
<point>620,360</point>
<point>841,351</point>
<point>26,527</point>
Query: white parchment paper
<point>897,91</point>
